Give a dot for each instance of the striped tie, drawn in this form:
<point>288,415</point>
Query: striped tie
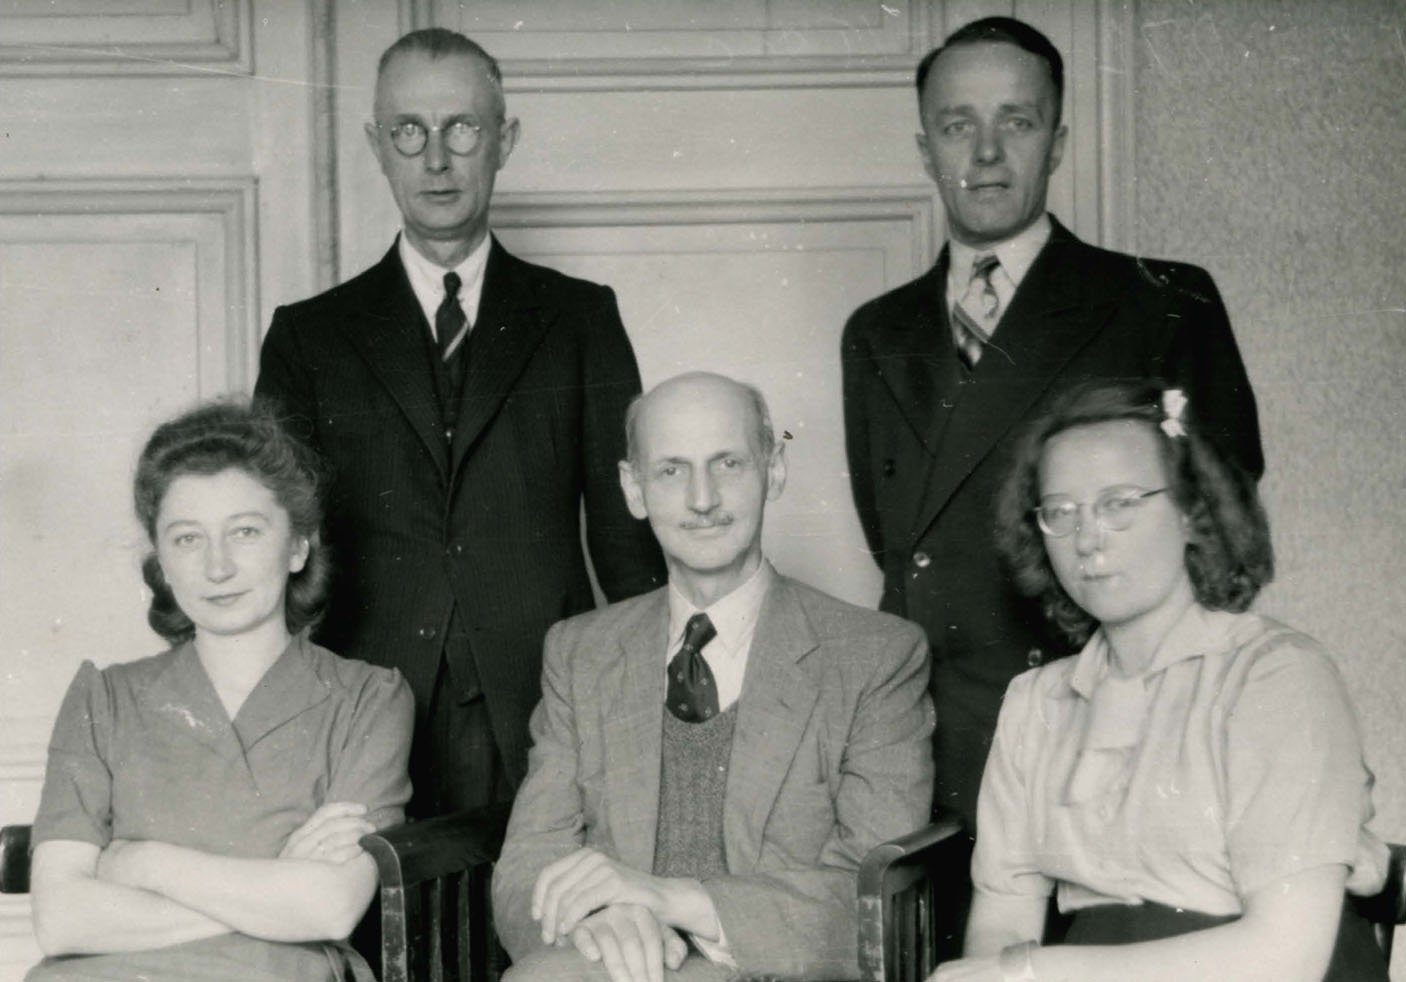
<point>974,316</point>
<point>450,323</point>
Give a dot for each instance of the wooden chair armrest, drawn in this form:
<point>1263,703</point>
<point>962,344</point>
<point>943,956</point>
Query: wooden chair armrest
<point>425,850</point>
<point>14,859</point>
<point>903,884</point>
<point>436,913</point>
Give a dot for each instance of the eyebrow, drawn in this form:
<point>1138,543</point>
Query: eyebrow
<point>236,517</point>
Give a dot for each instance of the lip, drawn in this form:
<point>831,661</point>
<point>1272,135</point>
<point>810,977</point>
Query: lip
<point>714,528</point>
<point>225,599</point>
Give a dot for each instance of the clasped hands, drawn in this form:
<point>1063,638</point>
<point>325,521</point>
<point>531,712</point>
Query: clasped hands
<point>332,834</point>
<point>626,919</point>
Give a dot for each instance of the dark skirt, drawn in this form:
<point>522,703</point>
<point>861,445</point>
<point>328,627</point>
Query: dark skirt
<point>1356,956</point>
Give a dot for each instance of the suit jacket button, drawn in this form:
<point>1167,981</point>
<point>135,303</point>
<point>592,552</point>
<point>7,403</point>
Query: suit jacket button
<point>922,560</point>
<point>889,468</point>
<point>427,633</point>
<point>1034,657</point>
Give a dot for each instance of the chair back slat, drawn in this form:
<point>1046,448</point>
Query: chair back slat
<point>434,929</point>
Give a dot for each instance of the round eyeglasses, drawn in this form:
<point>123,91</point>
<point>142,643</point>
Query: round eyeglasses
<point>410,138</point>
<point>1114,510</point>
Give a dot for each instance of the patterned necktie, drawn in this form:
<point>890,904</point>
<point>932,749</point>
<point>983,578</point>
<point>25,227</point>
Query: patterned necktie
<point>693,694</point>
<point>974,316</point>
<point>450,324</point>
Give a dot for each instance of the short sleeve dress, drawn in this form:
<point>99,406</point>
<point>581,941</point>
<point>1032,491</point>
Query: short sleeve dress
<point>1232,761</point>
<point>145,750</point>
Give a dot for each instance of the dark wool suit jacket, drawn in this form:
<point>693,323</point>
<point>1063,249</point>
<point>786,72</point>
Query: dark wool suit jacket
<point>830,757</point>
<point>928,450</point>
<point>491,521</point>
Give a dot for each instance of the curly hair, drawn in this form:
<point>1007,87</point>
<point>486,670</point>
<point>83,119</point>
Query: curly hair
<point>215,437</point>
<point>1229,556</point>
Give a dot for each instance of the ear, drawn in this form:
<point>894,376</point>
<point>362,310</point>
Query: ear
<point>298,556</point>
<point>507,139</point>
<point>634,493</point>
<point>1057,149</point>
<point>776,472</point>
<point>925,155</point>
<point>373,140</point>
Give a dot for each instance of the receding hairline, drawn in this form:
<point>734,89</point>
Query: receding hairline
<point>472,51</point>
<point>751,396</point>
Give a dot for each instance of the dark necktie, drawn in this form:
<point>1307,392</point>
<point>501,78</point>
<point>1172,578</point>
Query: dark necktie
<point>450,324</point>
<point>693,695</point>
<point>979,305</point>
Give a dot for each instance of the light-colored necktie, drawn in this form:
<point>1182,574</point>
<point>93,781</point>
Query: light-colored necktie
<point>974,316</point>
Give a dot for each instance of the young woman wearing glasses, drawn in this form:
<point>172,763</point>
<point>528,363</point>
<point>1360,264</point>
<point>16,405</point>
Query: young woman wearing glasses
<point>1191,784</point>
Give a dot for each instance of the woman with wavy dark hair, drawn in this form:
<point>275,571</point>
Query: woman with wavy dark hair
<point>202,807</point>
<point>1191,784</point>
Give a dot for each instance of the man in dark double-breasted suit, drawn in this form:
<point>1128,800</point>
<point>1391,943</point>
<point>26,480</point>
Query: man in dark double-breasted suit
<point>466,403</point>
<point>940,373</point>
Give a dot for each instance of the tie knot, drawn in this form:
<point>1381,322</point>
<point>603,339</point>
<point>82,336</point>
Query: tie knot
<point>984,266</point>
<point>698,632</point>
<point>452,284</point>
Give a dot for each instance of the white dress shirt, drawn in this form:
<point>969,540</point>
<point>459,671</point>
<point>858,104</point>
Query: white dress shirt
<point>734,617</point>
<point>427,279</point>
<point>1016,255</point>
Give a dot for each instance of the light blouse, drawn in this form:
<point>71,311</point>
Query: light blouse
<point>1234,760</point>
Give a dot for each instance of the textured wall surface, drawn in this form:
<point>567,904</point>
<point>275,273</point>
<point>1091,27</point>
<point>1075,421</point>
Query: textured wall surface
<point>1271,149</point>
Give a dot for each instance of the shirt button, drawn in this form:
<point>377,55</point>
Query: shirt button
<point>922,560</point>
<point>449,434</point>
<point>889,468</point>
<point>1034,657</point>
<point>427,633</point>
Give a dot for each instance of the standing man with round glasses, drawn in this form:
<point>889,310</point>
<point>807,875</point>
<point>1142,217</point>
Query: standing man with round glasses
<point>466,403</point>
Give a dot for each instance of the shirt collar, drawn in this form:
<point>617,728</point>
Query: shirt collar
<point>1017,254</point>
<point>734,616</point>
<point>1197,633</point>
<point>427,278</point>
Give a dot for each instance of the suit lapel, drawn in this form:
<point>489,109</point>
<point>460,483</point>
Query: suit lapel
<point>512,321</point>
<point>776,704</point>
<point>917,350</point>
<point>389,334</point>
<point>1051,317</point>
<point>632,707</point>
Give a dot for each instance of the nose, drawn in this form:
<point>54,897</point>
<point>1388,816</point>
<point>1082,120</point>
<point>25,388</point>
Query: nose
<point>702,491</point>
<point>219,565</point>
<point>1088,533</point>
<point>436,153</point>
<point>988,149</point>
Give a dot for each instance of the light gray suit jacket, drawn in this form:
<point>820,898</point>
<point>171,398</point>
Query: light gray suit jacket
<point>830,757</point>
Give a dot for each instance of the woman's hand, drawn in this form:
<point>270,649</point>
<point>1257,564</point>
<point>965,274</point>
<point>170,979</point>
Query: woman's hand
<point>332,834</point>
<point>986,968</point>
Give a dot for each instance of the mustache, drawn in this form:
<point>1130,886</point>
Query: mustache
<point>707,521</point>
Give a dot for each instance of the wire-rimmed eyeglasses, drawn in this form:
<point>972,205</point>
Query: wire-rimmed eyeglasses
<point>410,138</point>
<point>1114,510</point>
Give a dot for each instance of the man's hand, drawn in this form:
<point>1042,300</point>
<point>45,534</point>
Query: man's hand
<point>331,834</point>
<point>631,943</point>
<point>572,888</point>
